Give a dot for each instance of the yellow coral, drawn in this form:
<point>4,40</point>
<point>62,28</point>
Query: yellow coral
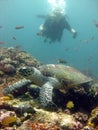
<point>94,116</point>
<point>8,120</point>
<point>5,98</point>
<point>70,105</point>
<point>91,124</point>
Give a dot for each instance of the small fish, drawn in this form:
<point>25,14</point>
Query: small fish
<point>1,26</point>
<point>90,58</point>
<point>66,49</point>
<point>86,41</point>
<point>19,27</point>
<point>14,38</point>
<point>17,47</point>
<point>45,40</point>
<point>92,38</point>
<point>41,16</point>
<point>96,23</point>
<point>77,47</point>
<point>62,61</point>
<point>39,33</point>
<point>1,42</point>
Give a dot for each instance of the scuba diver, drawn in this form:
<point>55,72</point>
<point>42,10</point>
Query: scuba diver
<point>54,26</point>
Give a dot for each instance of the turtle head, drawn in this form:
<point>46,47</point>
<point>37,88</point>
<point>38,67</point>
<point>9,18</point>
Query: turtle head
<point>33,74</point>
<point>26,71</point>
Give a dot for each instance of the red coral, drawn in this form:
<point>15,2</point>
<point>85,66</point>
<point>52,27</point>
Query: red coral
<point>44,126</point>
<point>96,128</point>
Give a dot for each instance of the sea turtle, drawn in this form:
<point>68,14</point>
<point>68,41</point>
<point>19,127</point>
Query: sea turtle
<point>52,76</point>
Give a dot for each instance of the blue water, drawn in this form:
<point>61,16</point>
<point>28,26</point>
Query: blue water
<point>81,53</point>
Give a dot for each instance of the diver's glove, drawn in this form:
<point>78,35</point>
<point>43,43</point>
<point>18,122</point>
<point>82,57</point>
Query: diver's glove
<point>74,33</point>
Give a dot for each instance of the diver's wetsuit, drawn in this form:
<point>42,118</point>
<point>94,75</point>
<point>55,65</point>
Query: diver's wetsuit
<point>54,26</point>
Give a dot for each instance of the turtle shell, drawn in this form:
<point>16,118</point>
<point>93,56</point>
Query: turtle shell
<point>67,74</point>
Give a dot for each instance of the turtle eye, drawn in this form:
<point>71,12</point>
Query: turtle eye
<point>25,71</point>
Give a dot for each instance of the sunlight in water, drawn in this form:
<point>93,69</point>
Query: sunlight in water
<point>58,4</point>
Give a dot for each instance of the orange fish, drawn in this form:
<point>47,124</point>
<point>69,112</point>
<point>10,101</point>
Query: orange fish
<point>80,40</point>
<point>1,42</point>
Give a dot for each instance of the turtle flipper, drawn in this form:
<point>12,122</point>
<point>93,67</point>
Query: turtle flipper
<point>46,94</point>
<point>46,97</point>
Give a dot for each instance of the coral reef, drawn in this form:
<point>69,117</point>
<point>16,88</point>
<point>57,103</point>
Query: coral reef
<point>80,116</point>
<point>93,120</point>
<point>62,120</point>
<point>10,60</point>
<point>20,109</point>
<point>28,125</point>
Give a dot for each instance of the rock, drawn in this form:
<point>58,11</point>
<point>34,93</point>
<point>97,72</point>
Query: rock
<point>9,69</point>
